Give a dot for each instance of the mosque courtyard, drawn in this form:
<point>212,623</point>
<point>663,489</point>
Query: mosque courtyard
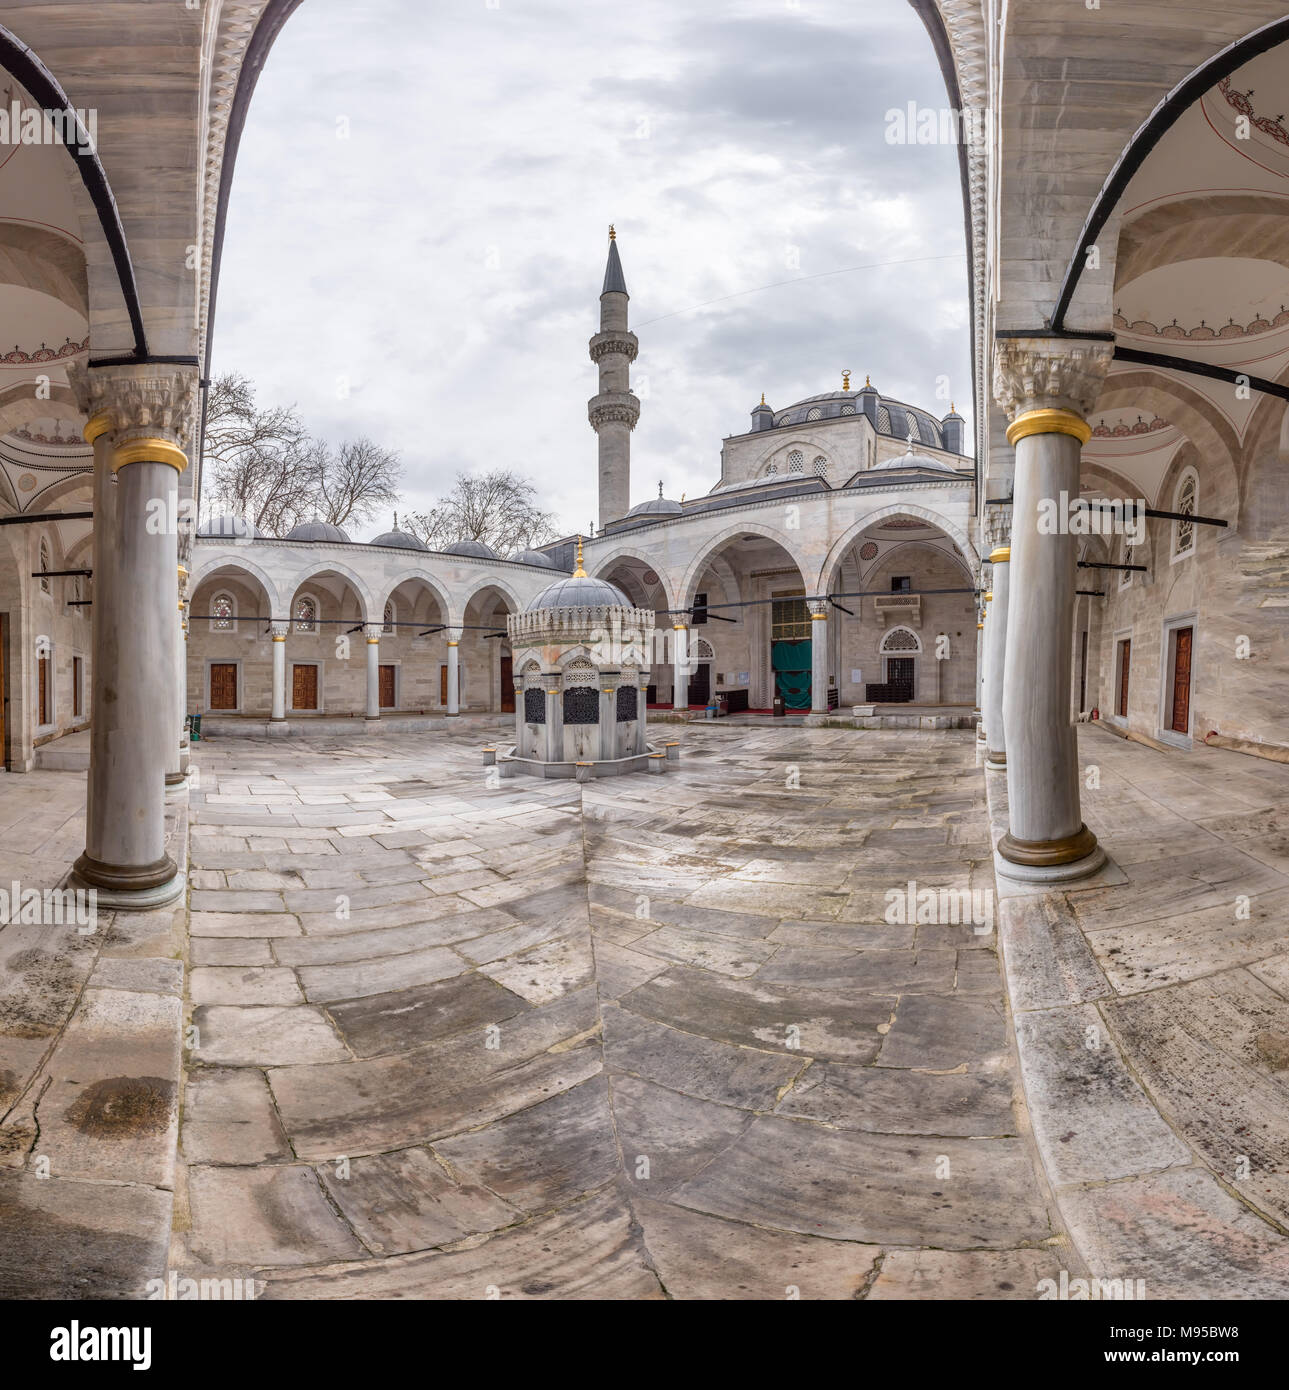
<point>444,1035</point>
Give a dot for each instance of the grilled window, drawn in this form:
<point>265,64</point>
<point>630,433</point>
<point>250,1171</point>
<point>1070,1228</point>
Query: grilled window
<point>534,706</point>
<point>581,706</point>
<point>627,699</point>
<point>790,620</point>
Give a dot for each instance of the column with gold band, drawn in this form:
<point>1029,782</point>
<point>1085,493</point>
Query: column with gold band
<point>996,657</point>
<point>453,634</point>
<point>372,633</point>
<point>139,421</point>
<point>819,659</point>
<point>278,630</point>
<point>680,667</point>
<point>1047,387</point>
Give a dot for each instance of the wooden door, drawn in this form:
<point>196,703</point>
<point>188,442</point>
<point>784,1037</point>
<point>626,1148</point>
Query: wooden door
<point>4,690</point>
<point>1125,663</point>
<point>1083,671</point>
<point>700,683</point>
<point>223,685</point>
<point>443,687</point>
<point>387,687</point>
<point>304,687</point>
<point>507,683</point>
<point>78,681</point>
<point>1182,680</point>
<point>42,701</point>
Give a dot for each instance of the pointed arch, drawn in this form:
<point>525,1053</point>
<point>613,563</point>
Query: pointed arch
<point>367,604</point>
<point>703,558</point>
<point>857,528</point>
<point>207,568</point>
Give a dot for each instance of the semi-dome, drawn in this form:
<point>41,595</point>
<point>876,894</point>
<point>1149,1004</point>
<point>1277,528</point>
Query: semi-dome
<point>229,528</point>
<point>533,557</point>
<point>475,549</point>
<point>317,531</point>
<point>580,591</point>
<point>889,417</point>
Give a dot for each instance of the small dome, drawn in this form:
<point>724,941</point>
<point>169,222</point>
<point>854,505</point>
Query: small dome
<point>533,557</point>
<point>656,506</point>
<point>404,540</point>
<point>909,460</point>
<point>580,592</point>
<point>475,549</point>
<point>230,528</point>
<point>317,531</point>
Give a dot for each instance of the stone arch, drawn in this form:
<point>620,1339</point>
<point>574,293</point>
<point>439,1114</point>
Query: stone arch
<point>47,261</point>
<point>421,576</point>
<point>1243,226</point>
<point>700,562</point>
<point>491,582</point>
<point>857,528</point>
<point>602,567</point>
<point>207,569</point>
<point>367,604</point>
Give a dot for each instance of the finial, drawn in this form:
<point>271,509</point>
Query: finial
<point>395,521</point>
<point>845,379</point>
<point>953,409</point>
<point>909,450</point>
<point>762,397</point>
<point>868,385</point>
<point>613,236</point>
<point>659,487</point>
<point>579,572</point>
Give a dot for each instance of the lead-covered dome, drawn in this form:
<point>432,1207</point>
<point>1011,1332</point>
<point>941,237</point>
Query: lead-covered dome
<point>889,417</point>
<point>656,506</point>
<point>912,461</point>
<point>475,549</point>
<point>579,591</point>
<point>402,540</point>
<point>317,531</point>
<point>533,557</point>
<point>229,528</point>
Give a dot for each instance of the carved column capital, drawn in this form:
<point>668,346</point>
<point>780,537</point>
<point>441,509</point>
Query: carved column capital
<point>279,628</point>
<point>998,527</point>
<point>1050,374</point>
<point>138,402</point>
<point>818,608</point>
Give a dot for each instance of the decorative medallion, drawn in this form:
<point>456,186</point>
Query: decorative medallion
<point>27,482</point>
<point>868,551</point>
<point>650,577</point>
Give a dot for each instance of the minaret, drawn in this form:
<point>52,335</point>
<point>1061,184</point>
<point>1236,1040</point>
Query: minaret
<point>614,412</point>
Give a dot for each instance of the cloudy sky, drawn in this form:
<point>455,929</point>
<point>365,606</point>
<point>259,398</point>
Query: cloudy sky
<point>418,225</point>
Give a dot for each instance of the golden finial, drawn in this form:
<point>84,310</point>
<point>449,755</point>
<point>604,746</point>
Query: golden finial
<point>845,379</point>
<point>579,572</point>
<point>613,236</point>
<point>868,385</point>
<point>762,397</point>
<point>953,409</point>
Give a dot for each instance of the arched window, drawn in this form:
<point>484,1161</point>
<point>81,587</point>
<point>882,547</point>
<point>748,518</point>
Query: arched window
<point>848,410</point>
<point>814,413</point>
<point>306,613</point>
<point>703,650</point>
<point>44,566</point>
<point>771,469</point>
<point>796,461</point>
<point>901,639</point>
<point>223,613</point>
<point>1127,556</point>
<point>1184,501</point>
<point>820,466</point>
<point>390,619</point>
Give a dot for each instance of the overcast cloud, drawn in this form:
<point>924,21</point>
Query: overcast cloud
<point>443,263</point>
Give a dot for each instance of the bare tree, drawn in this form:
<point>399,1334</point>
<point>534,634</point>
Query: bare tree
<point>498,508</point>
<point>262,465</point>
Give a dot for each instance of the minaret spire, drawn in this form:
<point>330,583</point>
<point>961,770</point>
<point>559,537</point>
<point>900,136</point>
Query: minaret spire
<point>614,411</point>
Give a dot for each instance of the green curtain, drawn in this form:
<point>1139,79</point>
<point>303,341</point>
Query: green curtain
<point>791,662</point>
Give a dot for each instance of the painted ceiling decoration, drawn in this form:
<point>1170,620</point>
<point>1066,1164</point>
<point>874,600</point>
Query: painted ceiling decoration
<point>18,358</point>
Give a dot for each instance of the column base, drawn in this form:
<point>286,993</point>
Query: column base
<point>132,887</point>
<point>453,714</point>
<point>817,718</point>
<point>996,761</point>
<point>1050,861</point>
<point>371,718</point>
<point>177,791</point>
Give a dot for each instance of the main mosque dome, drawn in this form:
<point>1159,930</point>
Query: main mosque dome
<point>889,417</point>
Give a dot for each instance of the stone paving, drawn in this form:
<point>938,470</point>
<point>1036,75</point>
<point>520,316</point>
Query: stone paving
<point>1152,1016</point>
<point>90,1024</point>
<point>635,1039</point>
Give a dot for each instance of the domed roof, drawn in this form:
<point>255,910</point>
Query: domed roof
<point>476,549</point>
<point>909,460</point>
<point>229,528</point>
<point>404,540</point>
<point>533,557</point>
<point>317,531</point>
<point>889,417</point>
<point>580,592</point>
<point>656,506</point>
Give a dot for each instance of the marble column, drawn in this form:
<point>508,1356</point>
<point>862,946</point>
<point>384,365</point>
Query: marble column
<point>680,667</point>
<point>1047,387</point>
<point>996,659</point>
<point>176,785</point>
<point>554,718</point>
<point>279,631</point>
<point>140,418</point>
<point>818,657</point>
<point>609,715</point>
<point>372,633</point>
<point>454,672</point>
<point>181,674</point>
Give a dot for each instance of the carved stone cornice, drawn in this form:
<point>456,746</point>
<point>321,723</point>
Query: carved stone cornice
<point>613,408</point>
<point>1050,374</point>
<point>614,340</point>
<point>143,401</point>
